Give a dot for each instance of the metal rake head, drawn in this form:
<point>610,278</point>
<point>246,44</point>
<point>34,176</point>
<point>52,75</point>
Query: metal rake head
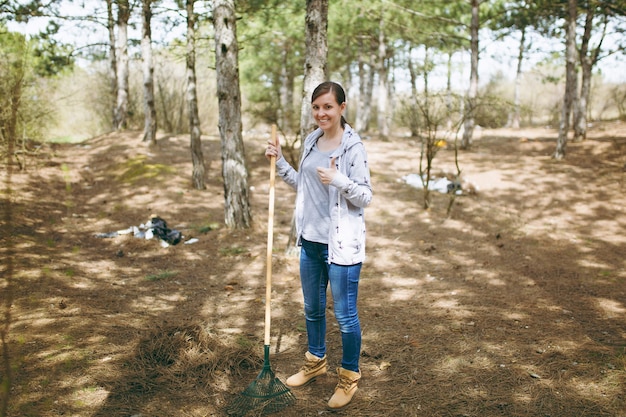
<point>265,395</point>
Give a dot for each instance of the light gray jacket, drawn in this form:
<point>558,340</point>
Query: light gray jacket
<point>350,192</point>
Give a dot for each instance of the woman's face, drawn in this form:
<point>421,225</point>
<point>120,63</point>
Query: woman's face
<point>326,111</point>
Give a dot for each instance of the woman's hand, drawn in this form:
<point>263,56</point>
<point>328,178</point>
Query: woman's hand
<point>327,174</point>
<point>273,150</point>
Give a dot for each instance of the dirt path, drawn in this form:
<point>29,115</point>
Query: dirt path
<point>514,305</point>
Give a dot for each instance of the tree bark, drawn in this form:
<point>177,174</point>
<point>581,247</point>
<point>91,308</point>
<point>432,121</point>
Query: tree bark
<point>150,117</point>
<point>8,135</point>
<point>121,109</point>
<point>195,133</point>
<point>112,61</point>
<point>234,171</point>
<point>316,29</point>
<point>514,117</point>
<point>587,60</point>
<point>414,117</point>
<point>285,110</point>
<point>570,80</point>
<point>383,82</point>
<point>449,90</point>
<point>366,86</point>
<point>472,93</point>
<point>316,55</point>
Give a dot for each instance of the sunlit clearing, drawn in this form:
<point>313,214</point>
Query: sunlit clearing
<point>515,316</point>
<point>591,390</point>
<point>400,282</point>
<point>93,396</point>
<point>522,397</point>
<point>593,264</point>
<point>162,303</point>
<point>610,231</point>
<point>453,365</point>
<point>487,277</point>
<point>497,282</point>
<point>41,322</point>
<point>56,355</point>
<point>407,291</point>
<point>610,307</point>
<point>446,303</point>
<point>401,294</point>
<point>456,365</point>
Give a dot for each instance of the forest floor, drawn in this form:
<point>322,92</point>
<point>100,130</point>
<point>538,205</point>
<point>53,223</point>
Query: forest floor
<point>514,304</point>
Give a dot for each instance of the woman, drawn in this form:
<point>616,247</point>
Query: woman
<point>332,188</point>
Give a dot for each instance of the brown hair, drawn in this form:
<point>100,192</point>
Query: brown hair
<point>336,90</point>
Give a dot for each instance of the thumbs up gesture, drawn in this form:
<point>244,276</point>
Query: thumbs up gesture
<point>327,174</point>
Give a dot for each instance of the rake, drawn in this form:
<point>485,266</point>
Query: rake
<point>266,394</point>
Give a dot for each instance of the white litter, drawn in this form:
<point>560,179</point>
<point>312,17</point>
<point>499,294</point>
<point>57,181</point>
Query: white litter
<point>442,185</point>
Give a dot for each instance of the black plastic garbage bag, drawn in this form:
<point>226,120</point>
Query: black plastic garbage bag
<point>160,230</point>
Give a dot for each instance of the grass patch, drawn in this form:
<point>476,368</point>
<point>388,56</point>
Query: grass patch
<point>206,228</point>
<point>244,343</point>
<point>233,251</point>
<point>136,169</point>
<point>161,275</point>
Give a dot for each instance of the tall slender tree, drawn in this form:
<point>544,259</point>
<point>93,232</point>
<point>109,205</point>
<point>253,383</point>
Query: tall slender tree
<point>234,171</point>
<point>195,133</point>
<point>122,69</point>
<point>383,80</point>
<point>599,15</point>
<point>316,56</point>
<point>515,115</point>
<point>570,79</point>
<point>110,24</point>
<point>472,93</point>
<point>150,116</point>
<point>519,17</point>
<point>315,66</point>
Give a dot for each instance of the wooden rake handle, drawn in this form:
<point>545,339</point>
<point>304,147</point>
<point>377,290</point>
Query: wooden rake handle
<point>270,241</point>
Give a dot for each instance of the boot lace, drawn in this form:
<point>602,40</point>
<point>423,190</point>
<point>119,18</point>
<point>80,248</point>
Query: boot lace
<point>312,365</point>
<point>345,383</point>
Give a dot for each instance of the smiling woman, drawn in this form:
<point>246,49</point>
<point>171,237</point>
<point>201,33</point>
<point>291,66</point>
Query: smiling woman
<point>332,190</point>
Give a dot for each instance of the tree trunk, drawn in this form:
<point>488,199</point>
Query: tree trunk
<point>383,82</point>
<point>426,72</point>
<point>414,117</point>
<point>121,109</point>
<point>570,80</point>
<point>112,62</point>
<point>316,27</point>
<point>234,170</point>
<point>316,55</point>
<point>514,118</point>
<point>366,86</point>
<point>150,117</point>
<point>8,126</point>
<point>285,111</point>
<point>195,134</point>
<point>472,93</point>
<point>449,90</point>
<point>587,60</point>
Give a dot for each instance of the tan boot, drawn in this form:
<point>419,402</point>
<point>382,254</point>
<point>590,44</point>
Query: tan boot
<point>312,368</point>
<point>345,389</point>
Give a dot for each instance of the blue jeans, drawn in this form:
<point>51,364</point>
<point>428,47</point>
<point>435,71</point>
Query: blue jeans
<point>315,274</point>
